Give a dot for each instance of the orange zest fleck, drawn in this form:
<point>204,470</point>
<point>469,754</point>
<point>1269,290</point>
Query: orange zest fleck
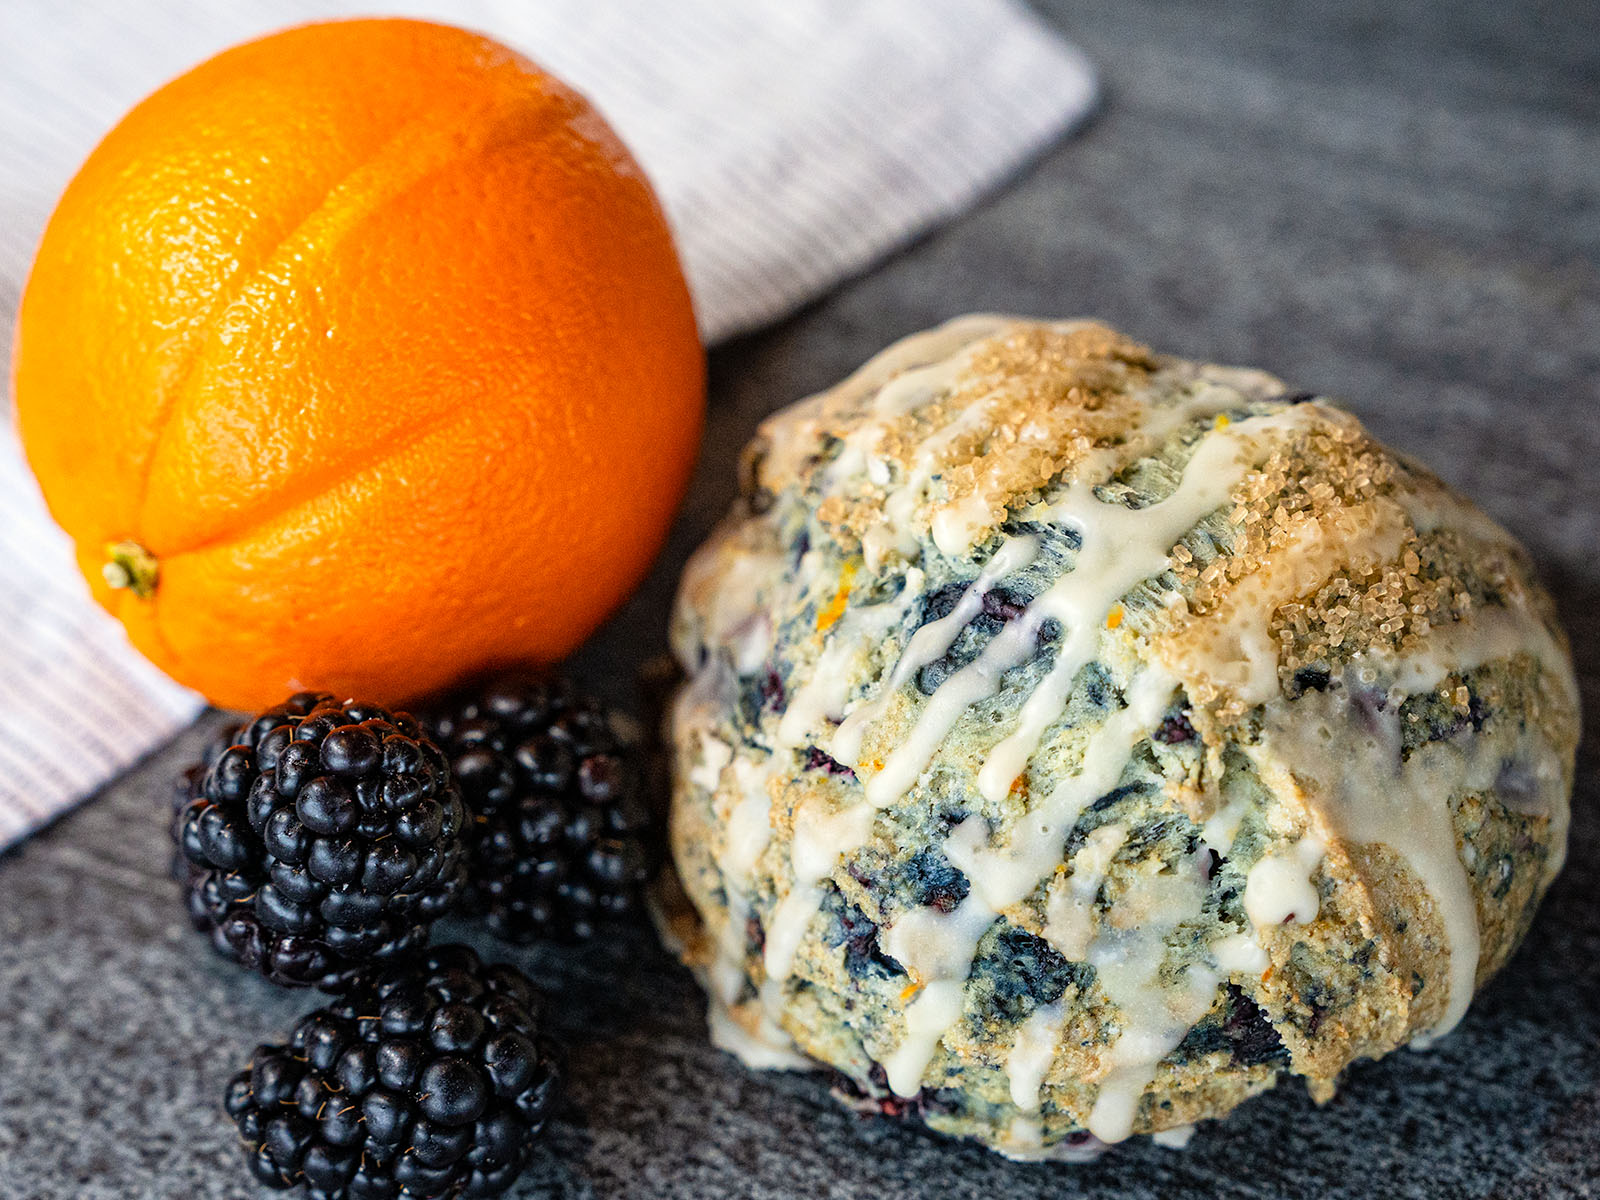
<point>1222,421</point>
<point>1114,617</point>
<point>910,990</point>
<point>835,607</point>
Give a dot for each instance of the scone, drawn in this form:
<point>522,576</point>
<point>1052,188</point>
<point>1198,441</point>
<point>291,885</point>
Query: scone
<point>1078,740</point>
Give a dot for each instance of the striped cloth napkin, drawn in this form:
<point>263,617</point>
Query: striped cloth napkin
<point>791,143</point>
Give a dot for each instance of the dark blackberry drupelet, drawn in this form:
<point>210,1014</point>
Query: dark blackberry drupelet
<point>430,1080</point>
<point>874,1097</point>
<point>186,789</point>
<point>560,841</point>
<point>326,839</point>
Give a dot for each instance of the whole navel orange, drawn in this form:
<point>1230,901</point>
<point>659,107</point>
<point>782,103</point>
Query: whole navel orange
<point>359,358</point>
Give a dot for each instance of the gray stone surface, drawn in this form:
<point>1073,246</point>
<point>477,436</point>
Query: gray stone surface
<point>1399,204</point>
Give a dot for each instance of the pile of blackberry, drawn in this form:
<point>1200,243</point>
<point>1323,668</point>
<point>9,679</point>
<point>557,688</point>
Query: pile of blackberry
<point>325,840</point>
<point>318,843</point>
<point>558,845</point>
<point>433,1081</point>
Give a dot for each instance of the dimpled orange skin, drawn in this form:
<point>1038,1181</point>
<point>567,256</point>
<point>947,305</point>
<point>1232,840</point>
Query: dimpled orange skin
<point>374,335</point>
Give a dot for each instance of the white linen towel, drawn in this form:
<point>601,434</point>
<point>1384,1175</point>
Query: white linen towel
<point>792,143</point>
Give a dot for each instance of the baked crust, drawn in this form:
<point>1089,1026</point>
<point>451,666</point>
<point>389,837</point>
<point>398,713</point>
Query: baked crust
<point>1080,739</point>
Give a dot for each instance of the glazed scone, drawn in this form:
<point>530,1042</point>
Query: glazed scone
<point>1078,740</point>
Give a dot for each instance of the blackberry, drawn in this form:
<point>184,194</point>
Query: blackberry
<point>325,839</point>
<point>432,1080</point>
<point>874,1098</point>
<point>560,834</point>
<point>186,788</point>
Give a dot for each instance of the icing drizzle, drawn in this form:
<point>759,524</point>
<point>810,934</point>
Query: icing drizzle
<point>1363,792</point>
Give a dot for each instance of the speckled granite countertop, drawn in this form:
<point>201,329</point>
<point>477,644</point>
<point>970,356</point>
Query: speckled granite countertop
<point>1397,204</point>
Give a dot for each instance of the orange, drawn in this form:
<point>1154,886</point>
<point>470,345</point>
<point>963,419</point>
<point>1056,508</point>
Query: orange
<point>359,358</point>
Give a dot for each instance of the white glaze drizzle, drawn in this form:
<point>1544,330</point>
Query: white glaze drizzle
<point>1121,547</point>
<point>715,754</point>
<point>1492,635</point>
<point>931,642</point>
<point>1006,874</point>
<point>976,681</point>
<point>955,528</point>
<point>907,375</point>
<point>760,1051</point>
<point>693,710</point>
<point>938,948</point>
<point>1239,954</point>
<point>1484,636</point>
<point>935,348</point>
<point>746,833</point>
<point>1032,1054</point>
<point>1129,953</point>
<point>1176,1138</point>
<point>820,840</point>
<point>820,843</point>
<point>1278,887</point>
<point>823,695</point>
<point>1435,509</point>
<point>1231,648</point>
<point>1348,763</point>
<point>749,826</point>
<point>1154,426</point>
<point>735,618</point>
<point>1155,1018</point>
<point>1069,923</point>
<point>900,504</point>
<point>928,366</point>
<point>1221,828</point>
